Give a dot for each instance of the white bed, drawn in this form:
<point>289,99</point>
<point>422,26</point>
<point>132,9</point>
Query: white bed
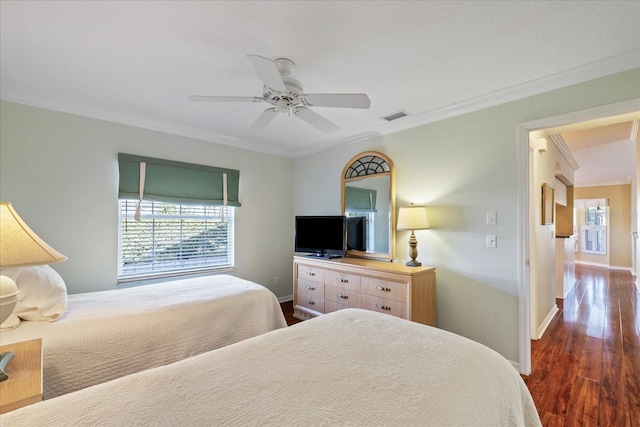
<point>105,335</point>
<point>352,367</point>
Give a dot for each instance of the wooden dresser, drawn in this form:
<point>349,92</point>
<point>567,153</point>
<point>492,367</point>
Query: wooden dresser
<point>322,286</point>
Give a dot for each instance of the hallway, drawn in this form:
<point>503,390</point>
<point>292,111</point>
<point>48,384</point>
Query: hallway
<point>586,367</point>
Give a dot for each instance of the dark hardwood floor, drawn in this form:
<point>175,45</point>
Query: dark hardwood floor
<point>586,367</point>
<point>287,310</point>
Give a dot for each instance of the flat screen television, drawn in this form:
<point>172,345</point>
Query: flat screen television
<point>323,236</point>
<point>357,233</point>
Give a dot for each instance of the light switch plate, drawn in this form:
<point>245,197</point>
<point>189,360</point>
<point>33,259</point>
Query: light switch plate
<point>492,218</point>
<point>492,241</point>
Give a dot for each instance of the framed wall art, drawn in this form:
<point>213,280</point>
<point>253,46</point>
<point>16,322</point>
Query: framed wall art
<point>547,204</point>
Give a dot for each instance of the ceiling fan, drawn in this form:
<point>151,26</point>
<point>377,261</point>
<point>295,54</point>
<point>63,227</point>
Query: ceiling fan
<point>286,96</point>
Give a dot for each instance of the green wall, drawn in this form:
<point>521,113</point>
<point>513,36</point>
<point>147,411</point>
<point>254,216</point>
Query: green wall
<point>60,171</point>
<point>462,168</point>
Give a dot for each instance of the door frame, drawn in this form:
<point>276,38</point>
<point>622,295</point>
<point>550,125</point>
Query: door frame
<point>524,178</point>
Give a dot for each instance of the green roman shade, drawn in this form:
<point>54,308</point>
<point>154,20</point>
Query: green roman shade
<point>360,199</point>
<point>177,182</point>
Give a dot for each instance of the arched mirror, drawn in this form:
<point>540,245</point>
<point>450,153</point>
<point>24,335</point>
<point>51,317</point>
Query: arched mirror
<point>368,202</point>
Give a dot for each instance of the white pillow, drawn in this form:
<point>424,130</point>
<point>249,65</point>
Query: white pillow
<point>43,294</point>
<point>12,322</point>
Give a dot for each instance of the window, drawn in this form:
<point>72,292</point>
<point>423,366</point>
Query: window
<point>172,239</point>
<point>184,224</point>
<point>594,232</point>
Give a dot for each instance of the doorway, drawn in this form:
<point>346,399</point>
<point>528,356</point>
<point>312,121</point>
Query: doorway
<point>524,208</point>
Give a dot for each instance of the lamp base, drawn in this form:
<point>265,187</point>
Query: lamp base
<point>4,359</point>
<point>414,263</point>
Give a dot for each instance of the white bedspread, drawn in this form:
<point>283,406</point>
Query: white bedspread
<point>351,367</point>
<point>108,334</point>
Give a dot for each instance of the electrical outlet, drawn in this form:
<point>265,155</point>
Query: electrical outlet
<point>276,282</point>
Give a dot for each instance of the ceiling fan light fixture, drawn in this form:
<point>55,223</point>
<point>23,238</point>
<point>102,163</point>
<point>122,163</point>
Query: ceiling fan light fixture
<point>286,95</point>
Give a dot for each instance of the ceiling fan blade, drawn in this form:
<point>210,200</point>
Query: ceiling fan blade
<point>268,71</point>
<point>316,120</point>
<point>198,98</point>
<point>264,119</point>
<point>341,100</point>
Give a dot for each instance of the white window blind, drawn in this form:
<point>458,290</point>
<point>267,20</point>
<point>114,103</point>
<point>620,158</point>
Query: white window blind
<point>594,232</point>
<point>172,239</point>
<point>594,239</point>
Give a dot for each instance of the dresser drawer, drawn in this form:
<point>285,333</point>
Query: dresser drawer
<point>310,287</point>
<point>342,280</point>
<point>396,291</point>
<point>342,296</point>
<point>313,274</point>
<point>382,305</point>
<point>331,306</point>
<point>313,302</point>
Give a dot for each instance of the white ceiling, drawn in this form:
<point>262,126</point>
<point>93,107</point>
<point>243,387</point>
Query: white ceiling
<point>605,149</point>
<point>136,62</point>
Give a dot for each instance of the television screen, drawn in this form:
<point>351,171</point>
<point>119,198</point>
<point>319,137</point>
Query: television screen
<point>321,235</point>
<point>357,233</point>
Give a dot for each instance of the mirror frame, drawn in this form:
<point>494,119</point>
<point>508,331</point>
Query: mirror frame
<point>392,202</point>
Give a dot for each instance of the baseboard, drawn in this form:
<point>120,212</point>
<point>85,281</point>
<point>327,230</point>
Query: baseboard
<point>593,264</point>
<point>285,299</point>
<point>616,267</point>
<point>547,321</point>
<point>607,266</point>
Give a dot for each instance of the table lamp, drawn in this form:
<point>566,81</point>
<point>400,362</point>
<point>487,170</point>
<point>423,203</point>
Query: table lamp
<point>19,247</point>
<point>413,218</point>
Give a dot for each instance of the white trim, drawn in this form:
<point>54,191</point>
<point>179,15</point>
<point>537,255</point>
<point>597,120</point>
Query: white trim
<point>547,321</point>
<point>524,255</point>
<point>285,298</point>
<point>606,266</point>
<point>523,207</point>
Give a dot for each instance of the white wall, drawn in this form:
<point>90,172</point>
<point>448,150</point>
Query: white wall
<point>543,237</point>
<point>60,171</point>
<point>462,168</point>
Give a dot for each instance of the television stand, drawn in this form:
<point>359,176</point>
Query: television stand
<point>322,286</point>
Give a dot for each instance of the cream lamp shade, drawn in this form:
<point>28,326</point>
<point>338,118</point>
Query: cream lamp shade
<point>413,218</point>
<point>19,247</point>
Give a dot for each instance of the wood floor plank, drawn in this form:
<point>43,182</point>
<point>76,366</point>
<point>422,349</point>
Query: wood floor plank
<point>585,369</point>
<point>582,407</point>
<point>613,405</point>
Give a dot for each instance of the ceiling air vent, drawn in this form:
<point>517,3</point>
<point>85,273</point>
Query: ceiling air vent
<point>395,116</point>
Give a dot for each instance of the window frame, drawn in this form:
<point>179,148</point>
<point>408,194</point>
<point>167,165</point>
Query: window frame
<point>219,214</point>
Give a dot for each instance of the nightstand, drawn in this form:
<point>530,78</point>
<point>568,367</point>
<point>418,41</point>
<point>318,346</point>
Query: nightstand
<point>24,385</point>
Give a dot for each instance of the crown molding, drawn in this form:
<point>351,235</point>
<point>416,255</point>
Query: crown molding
<point>605,67</point>
<point>597,69</point>
<point>562,146</point>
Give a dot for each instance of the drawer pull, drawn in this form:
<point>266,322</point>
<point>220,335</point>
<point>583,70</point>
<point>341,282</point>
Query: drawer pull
<point>343,296</point>
<point>383,307</point>
<point>383,289</point>
<point>311,288</point>
<point>341,280</point>
<point>311,302</point>
<point>309,273</point>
